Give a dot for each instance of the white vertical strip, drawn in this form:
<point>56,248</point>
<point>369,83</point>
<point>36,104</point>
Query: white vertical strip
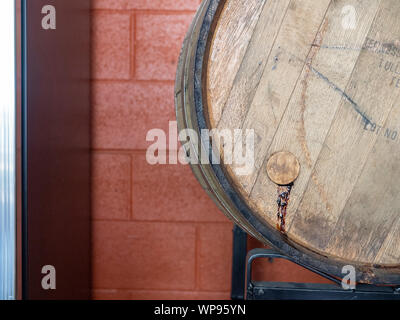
<point>7,151</point>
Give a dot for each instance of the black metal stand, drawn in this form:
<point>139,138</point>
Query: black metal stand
<point>239,263</point>
<point>243,285</point>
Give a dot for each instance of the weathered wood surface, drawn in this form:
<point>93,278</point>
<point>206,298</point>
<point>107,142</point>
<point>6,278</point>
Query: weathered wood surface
<point>311,83</point>
<point>322,87</point>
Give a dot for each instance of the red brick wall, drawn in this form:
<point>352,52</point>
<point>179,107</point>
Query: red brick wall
<point>156,234</point>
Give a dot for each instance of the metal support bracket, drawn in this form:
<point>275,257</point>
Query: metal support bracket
<point>254,290</point>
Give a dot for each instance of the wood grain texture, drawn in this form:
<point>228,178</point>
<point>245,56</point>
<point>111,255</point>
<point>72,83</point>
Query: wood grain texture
<point>319,80</point>
<point>346,150</point>
<point>234,30</point>
<point>308,85</point>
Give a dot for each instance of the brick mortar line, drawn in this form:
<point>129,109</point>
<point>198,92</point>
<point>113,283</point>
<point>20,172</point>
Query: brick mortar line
<point>163,290</point>
<point>197,258</point>
<point>143,11</point>
<point>156,289</point>
<point>131,190</point>
<point>193,223</point>
<point>132,45</point>
<point>135,42</point>
<point>110,220</point>
<point>130,151</point>
<point>132,81</point>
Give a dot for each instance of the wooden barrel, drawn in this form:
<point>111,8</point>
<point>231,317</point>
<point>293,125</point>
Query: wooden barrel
<point>308,93</point>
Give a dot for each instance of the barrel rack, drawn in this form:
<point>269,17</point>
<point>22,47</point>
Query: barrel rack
<point>243,287</point>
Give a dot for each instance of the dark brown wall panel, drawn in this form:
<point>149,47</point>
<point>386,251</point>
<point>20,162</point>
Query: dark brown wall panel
<point>56,114</point>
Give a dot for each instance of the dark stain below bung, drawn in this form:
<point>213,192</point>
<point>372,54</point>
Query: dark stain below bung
<point>283,201</point>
